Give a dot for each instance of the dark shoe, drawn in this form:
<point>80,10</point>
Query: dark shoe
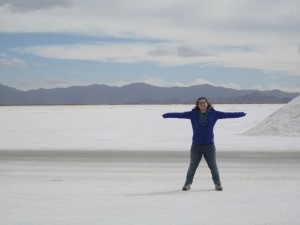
<point>186,187</point>
<point>218,187</point>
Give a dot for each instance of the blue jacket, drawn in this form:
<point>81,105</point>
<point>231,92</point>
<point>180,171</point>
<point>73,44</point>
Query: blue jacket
<point>203,135</point>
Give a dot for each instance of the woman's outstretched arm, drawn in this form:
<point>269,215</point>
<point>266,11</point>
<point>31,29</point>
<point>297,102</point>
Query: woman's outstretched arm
<point>225,115</point>
<point>179,115</point>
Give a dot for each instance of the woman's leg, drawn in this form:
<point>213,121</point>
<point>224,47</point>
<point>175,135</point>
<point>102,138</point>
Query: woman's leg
<point>210,157</point>
<point>195,158</point>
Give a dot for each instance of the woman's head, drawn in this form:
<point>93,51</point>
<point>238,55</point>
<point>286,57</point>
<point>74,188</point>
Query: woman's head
<point>203,104</point>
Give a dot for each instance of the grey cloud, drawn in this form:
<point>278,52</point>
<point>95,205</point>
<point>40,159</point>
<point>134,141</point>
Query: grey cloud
<point>299,49</point>
<point>32,5</point>
<point>187,52</point>
<point>12,62</point>
<point>182,51</point>
<point>161,51</point>
<point>56,81</point>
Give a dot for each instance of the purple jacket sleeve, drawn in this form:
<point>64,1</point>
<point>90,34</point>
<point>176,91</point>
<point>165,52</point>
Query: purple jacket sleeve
<point>179,115</point>
<point>225,115</point>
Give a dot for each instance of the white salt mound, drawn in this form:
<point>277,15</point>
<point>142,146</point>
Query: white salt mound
<point>284,122</point>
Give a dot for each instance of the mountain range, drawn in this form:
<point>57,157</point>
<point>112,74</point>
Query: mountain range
<point>138,93</point>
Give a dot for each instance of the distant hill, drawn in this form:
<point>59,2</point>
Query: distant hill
<point>138,93</point>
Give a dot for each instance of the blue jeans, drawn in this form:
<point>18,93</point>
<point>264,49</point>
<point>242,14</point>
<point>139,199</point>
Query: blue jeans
<point>209,153</point>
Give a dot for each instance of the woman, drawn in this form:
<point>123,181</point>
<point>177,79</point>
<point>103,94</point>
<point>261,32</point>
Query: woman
<point>203,118</point>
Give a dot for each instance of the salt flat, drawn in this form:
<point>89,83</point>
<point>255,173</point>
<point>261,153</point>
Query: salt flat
<point>132,127</point>
<point>126,165</point>
<point>144,187</point>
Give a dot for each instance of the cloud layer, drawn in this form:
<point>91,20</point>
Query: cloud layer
<point>283,59</point>
<point>17,6</point>
<point>12,62</point>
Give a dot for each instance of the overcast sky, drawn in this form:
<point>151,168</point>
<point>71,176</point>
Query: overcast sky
<point>239,44</point>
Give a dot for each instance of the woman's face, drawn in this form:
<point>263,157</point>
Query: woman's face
<point>202,104</point>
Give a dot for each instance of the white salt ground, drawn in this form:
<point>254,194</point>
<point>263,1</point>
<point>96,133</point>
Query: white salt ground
<point>53,169</point>
<point>133,127</point>
<point>284,122</point>
<point>144,188</point>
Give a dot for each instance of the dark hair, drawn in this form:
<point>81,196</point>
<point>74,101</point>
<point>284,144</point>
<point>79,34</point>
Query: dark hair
<point>209,105</point>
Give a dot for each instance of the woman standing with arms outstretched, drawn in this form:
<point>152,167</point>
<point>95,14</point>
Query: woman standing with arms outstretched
<point>203,119</point>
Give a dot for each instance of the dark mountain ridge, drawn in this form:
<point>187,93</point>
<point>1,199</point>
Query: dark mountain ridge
<point>138,93</point>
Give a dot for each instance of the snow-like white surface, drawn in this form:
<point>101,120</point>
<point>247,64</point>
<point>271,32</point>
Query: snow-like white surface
<point>284,122</point>
<point>260,189</point>
<point>129,128</point>
<point>54,170</point>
